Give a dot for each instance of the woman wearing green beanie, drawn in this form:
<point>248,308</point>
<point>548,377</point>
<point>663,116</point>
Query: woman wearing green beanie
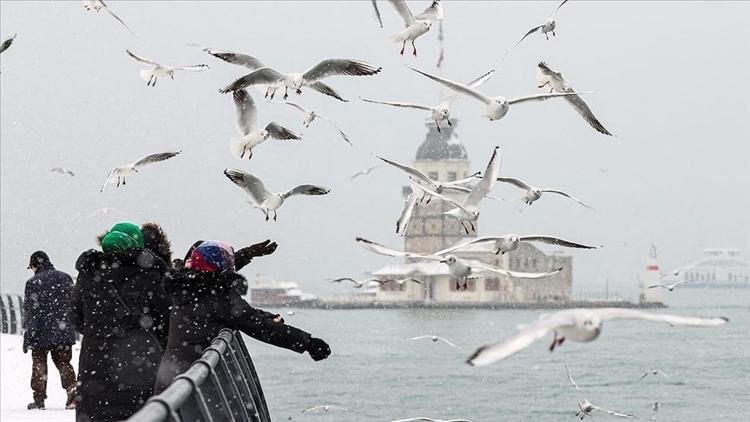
<point>121,309</point>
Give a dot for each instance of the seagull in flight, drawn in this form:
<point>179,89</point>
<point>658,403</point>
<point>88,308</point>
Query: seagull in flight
<point>581,325</point>
<point>434,339</point>
<point>423,180</point>
<point>497,107</point>
<point>653,372</point>
<point>439,112</point>
<point>546,27</point>
<point>410,205</point>
<point>311,115</point>
<point>120,173</point>
<point>357,284</point>
<point>586,407</point>
<point>311,78</point>
<point>426,419</point>
<point>533,193</point>
<point>365,172</point>
<point>669,287</point>
<point>510,242</point>
<point>265,200</point>
<point>62,171</point>
<point>247,125</point>
<point>105,211</point>
<point>6,44</point>
<point>158,69</point>
<point>546,77</point>
<point>414,26</point>
<point>400,281</point>
<point>97,5</point>
<point>461,269</point>
<point>324,408</point>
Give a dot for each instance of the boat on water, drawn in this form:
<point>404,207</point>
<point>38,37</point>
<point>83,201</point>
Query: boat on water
<point>265,291</point>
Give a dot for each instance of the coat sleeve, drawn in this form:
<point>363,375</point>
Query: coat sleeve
<point>262,325</point>
<point>76,308</point>
<point>30,305</point>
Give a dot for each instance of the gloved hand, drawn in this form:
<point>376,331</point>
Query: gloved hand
<point>318,349</point>
<point>243,256</point>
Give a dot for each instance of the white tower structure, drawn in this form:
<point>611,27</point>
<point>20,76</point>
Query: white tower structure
<point>651,276</point>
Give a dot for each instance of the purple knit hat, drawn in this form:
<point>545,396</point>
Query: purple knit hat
<point>213,256</point>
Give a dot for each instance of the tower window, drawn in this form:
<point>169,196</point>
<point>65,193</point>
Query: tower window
<point>452,177</point>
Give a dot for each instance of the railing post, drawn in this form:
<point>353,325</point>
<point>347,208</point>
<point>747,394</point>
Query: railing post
<point>4,320</point>
<point>13,319</point>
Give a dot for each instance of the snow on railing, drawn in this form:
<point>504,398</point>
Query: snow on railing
<point>220,386</point>
<point>11,314</point>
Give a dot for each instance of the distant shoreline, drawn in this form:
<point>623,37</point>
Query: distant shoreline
<point>331,305</point>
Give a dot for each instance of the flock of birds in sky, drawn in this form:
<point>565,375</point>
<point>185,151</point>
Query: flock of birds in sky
<point>465,196</point>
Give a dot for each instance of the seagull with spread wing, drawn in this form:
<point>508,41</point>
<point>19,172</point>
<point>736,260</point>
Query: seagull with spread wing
<point>497,107</point>
<point>325,408</point>
<point>365,172</point>
<point>669,287</point>
<point>426,419</point>
<point>414,26</point>
<point>461,269</point>
<point>546,27</point>
<point>268,76</point>
<point>410,204</point>
<point>581,325</point>
<point>510,242</point>
<point>553,80</point>
<point>653,372</point>
<point>264,199</point>
<point>439,112</point>
<point>158,69</point>
<point>105,211</point>
<point>97,5</point>
<point>247,125</point>
<point>439,187</point>
<point>586,407</point>
<point>434,339</point>
<point>7,43</point>
<point>358,284</point>
<point>61,170</point>
<point>533,193</point>
<point>311,115</point>
<point>120,173</point>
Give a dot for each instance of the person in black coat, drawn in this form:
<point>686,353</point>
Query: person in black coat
<point>207,297</point>
<point>121,309</point>
<point>48,330</point>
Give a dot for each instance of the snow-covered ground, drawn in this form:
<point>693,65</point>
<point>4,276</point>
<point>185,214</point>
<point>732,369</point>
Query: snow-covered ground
<point>15,388</point>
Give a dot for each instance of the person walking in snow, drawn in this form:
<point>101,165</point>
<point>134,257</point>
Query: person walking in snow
<point>48,330</point>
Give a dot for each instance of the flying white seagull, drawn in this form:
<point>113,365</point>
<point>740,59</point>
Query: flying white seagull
<point>365,172</point>
<point>546,27</point>
<point>435,339</point>
<point>410,204</point>
<point>97,5</point>
<point>265,200</point>
<point>324,408</point>
<point>151,75</point>
<point>533,193</point>
<point>439,112</point>
<point>311,115</point>
<point>581,325</point>
<point>586,407</point>
<point>425,181</point>
<point>414,26</point>
<point>548,78</point>
<point>497,107</point>
<point>357,284</point>
<point>669,287</point>
<point>461,269</point>
<point>247,125</point>
<point>510,242</point>
<point>426,419</point>
<point>331,67</point>
<point>105,211</point>
<point>62,171</point>
<point>6,44</point>
<point>400,281</point>
<point>120,173</point>
<point>653,372</point>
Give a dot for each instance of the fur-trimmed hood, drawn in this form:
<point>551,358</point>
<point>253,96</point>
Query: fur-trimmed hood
<point>186,285</point>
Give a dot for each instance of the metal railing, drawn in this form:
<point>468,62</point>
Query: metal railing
<point>220,386</point>
<point>11,314</point>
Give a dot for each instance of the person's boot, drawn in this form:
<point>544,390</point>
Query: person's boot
<point>70,403</point>
<point>36,405</point>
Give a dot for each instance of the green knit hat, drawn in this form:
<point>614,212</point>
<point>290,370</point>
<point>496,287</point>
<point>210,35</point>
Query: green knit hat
<point>121,237</point>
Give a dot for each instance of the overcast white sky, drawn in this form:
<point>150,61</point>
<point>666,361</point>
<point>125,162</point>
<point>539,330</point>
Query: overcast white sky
<point>667,76</point>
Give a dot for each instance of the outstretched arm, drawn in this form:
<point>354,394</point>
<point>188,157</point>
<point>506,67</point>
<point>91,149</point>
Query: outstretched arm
<point>245,255</point>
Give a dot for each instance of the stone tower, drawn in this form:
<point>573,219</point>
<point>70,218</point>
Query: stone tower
<point>442,157</point>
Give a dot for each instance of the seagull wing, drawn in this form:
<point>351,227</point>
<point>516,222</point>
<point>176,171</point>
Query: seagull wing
<point>540,97</point>
<point>262,76</point>
<point>280,132</point>
<point>419,177</point>
<point>295,105</point>
<point>531,31</point>
<point>446,341</point>
<point>142,59</point>
<point>529,334</point>
<point>250,184</point>
<point>559,192</point>
<point>420,337</point>
<point>434,12</point>
<point>544,75</point>
<point>573,383</point>
<point>411,203</point>
<point>193,67</point>
<point>338,129</point>
<point>247,112</point>
<point>481,266</point>
<point>326,90</point>
<point>607,314</point>
<point>404,11</point>
<point>644,376</point>
<point>6,44</point>
<point>306,190</point>
<point>460,88</point>
<point>472,84</point>
<point>515,182</point>
<point>554,241</point>
<point>622,415</point>
<point>239,59</point>
<point>118,18</point>
<point>108,180</point>
<point>403,105</point>
<point>489,178</point>
<point>382,250</point>
<point>461,245</point>
<point>154,158</point>
<point>558,7</point>
<point>445,198</point>
<point>340,67</point>
<point>376,10</point>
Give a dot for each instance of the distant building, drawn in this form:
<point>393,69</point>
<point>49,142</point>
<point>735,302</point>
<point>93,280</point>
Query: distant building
<point>717,268</point>
<point>442,157</point>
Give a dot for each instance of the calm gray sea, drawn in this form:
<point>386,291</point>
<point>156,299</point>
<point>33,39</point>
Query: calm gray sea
<point>381,376</point>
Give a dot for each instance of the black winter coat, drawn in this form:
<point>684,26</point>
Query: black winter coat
<point>46,308</point>
<point>205,303</point>
<point>121,309</point>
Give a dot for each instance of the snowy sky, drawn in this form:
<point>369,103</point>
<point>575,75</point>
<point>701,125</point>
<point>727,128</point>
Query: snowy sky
<point>666,76</point>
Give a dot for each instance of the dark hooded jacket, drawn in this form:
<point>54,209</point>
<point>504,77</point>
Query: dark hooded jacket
<point>46,306</point>
<point>121,309</point>
<point>205,303</point>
